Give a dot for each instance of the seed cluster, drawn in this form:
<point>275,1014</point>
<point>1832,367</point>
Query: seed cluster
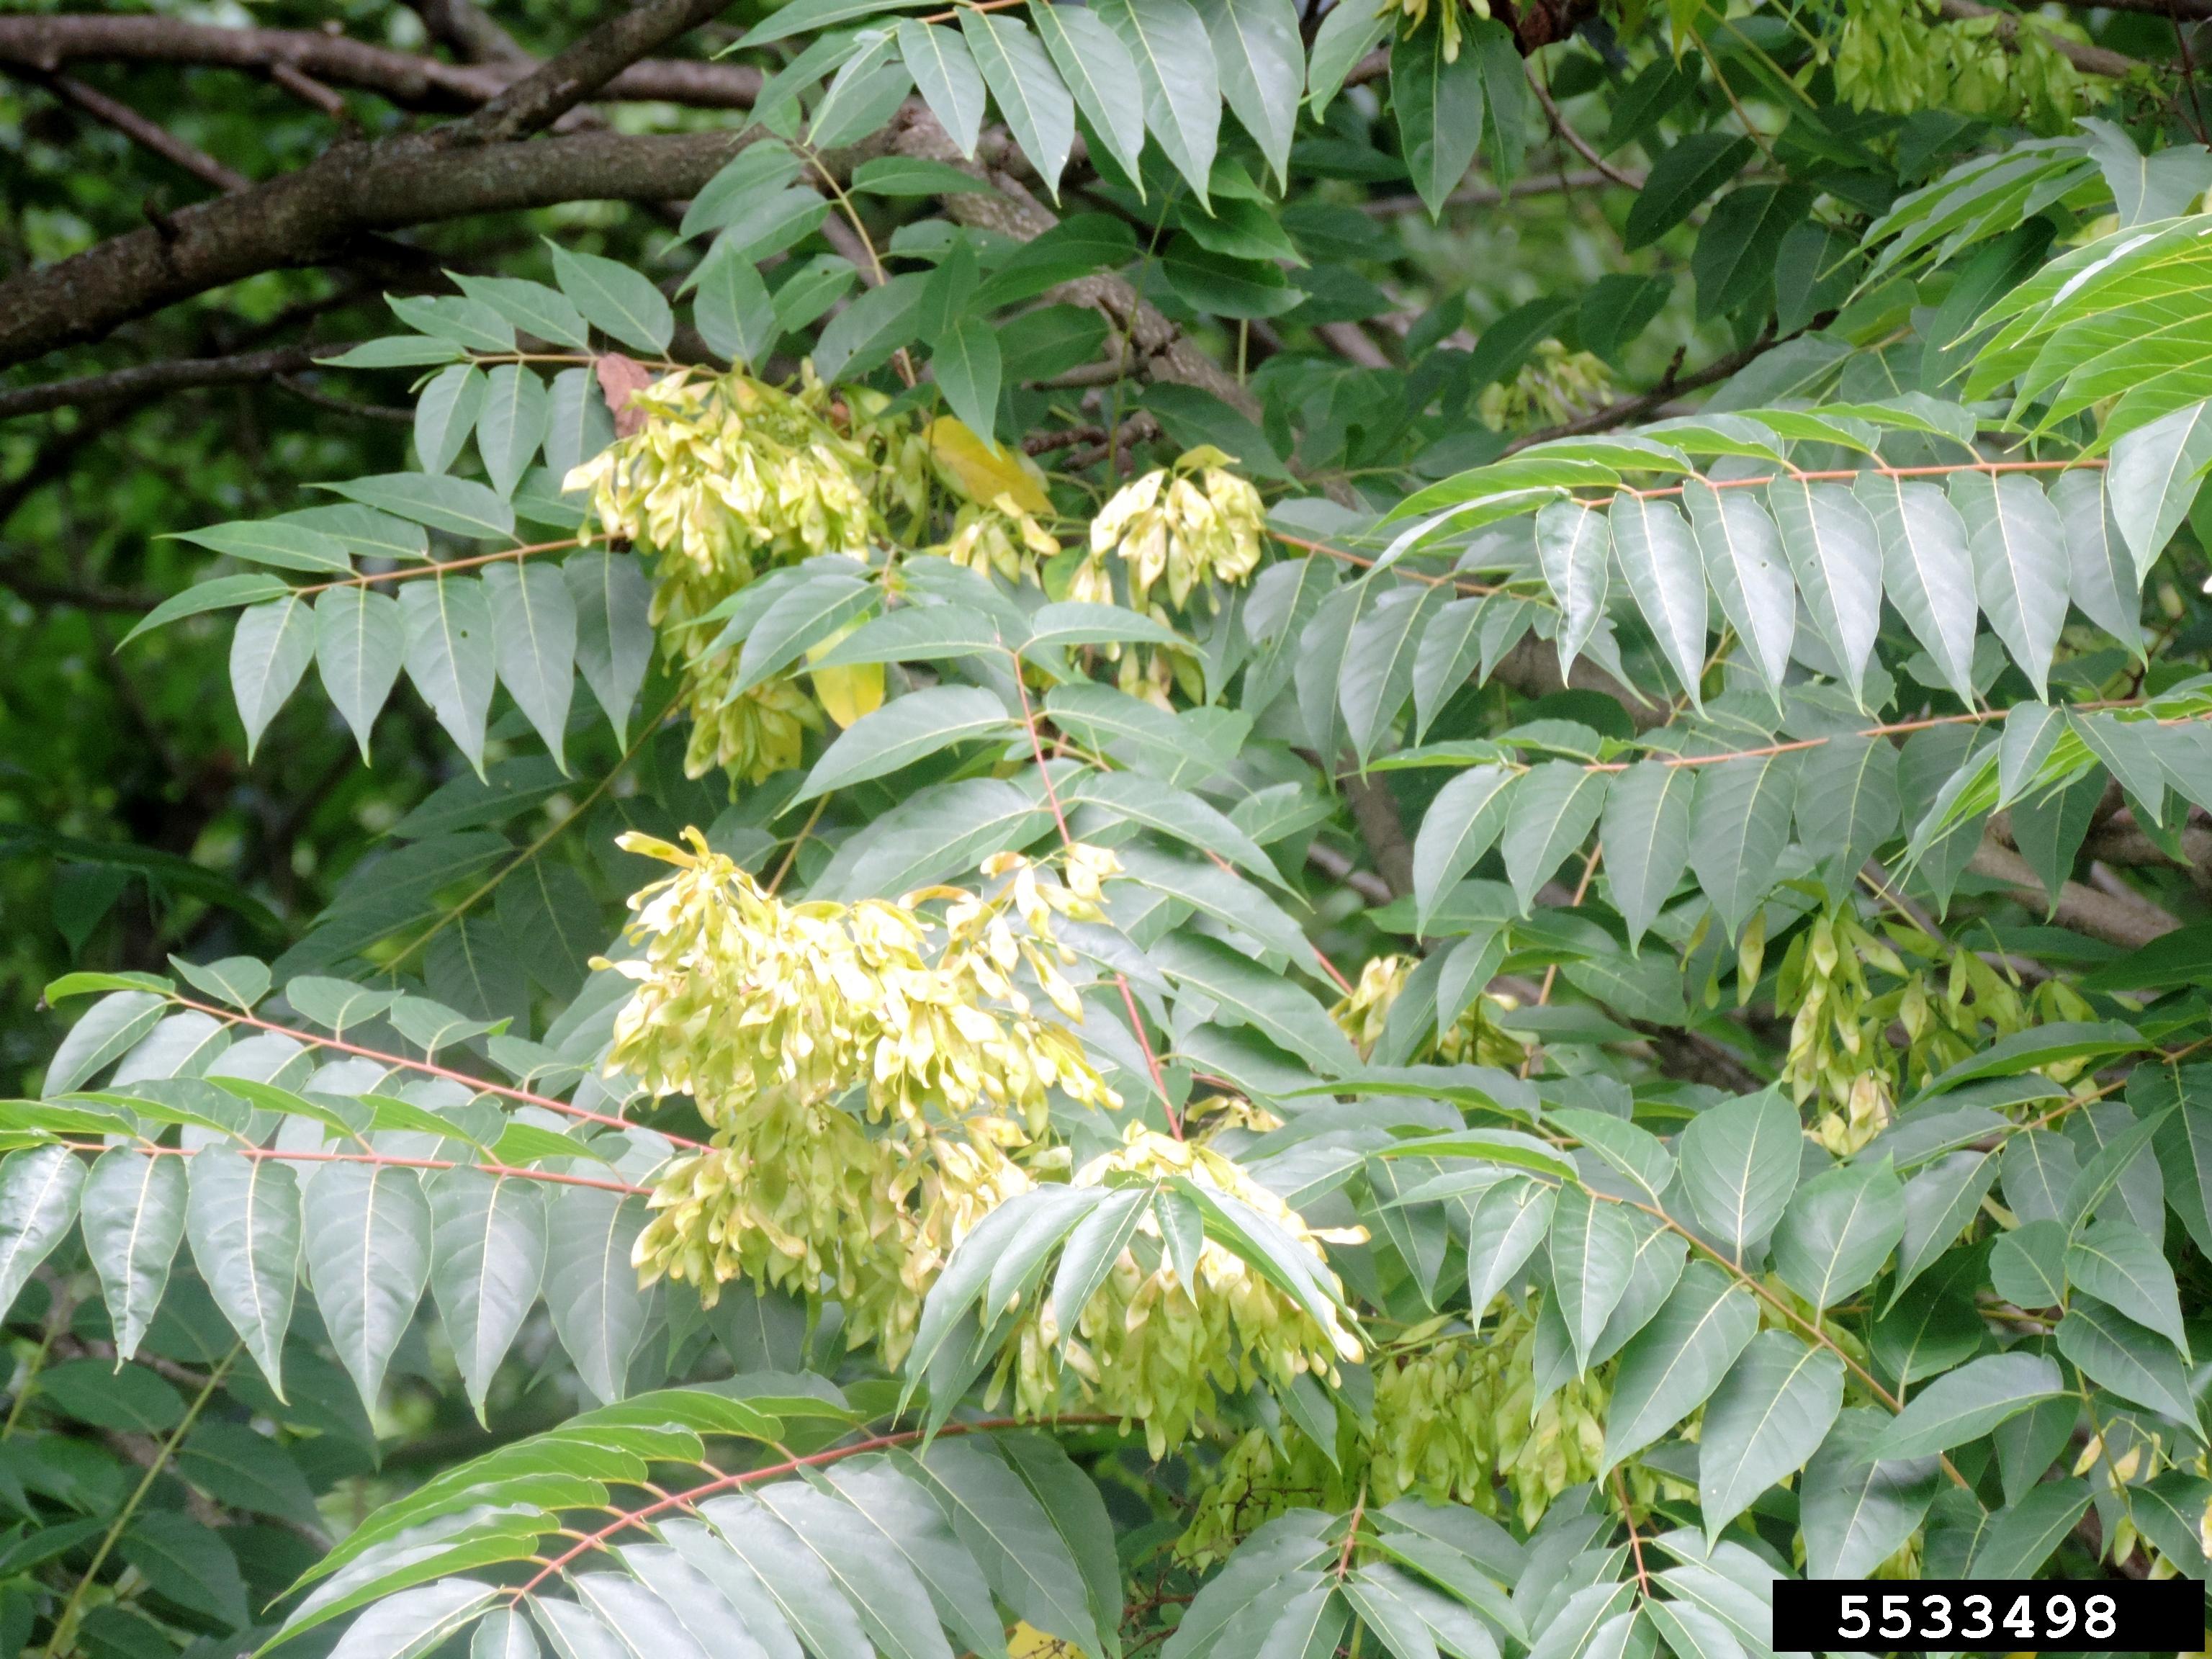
<point>870,1073</point>
<point>1155,1348</point>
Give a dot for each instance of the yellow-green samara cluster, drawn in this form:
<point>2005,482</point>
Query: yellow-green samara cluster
<point>1456,1420</point>
<point>1151,1348</point>
<point>872,1074</point>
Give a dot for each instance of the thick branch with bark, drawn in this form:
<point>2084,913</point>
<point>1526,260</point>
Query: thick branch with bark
<point>2090,60</point>
<point>2122,918</point>
<point>44,45</point>
<point>151,380</point>
<point>309,217</point>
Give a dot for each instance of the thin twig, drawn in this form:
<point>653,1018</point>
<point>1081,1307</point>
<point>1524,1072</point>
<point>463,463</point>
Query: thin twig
<point>149,135</point>
<point>1574,140</point>
<point>492,882</point>
<point>64,1631</point>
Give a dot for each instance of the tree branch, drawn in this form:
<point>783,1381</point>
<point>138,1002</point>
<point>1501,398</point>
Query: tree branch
<point>569,77</point>
<point>2090,60</point>
<point>469,31</point>
<point>2129,922</point>
<point>43,44</point>
<point>1496,195</point>
<point>1375,810</point>
<point>1573,139</point>
<point>308,218</point>
<point>147,135</point>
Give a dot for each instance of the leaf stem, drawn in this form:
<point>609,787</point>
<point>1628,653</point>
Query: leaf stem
<point>65,1630</point>
<point>690,1497</point>
<point>408,573</point>
<point>645,736</point>
<point>525,1097</point>
<point>60,1305</point>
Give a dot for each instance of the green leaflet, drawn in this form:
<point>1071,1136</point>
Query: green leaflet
<point>1645,832</point>
<point>488,1250</point>
<point>1769,1414</point>
<point>1740,1162</point>
<point>1672,1365</point>
<point>1839,1229</point>
<point>132,1209</point>
<point>1593,1250</point>
<point>366,1242</point>
<point>1968,1402</point>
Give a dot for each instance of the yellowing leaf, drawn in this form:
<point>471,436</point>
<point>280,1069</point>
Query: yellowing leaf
<point>985,471</point>
<point>849,691</point>
<point>1026,1641</point>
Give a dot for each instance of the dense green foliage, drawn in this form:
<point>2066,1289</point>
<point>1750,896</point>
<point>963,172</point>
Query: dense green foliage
<point>1173,824</point>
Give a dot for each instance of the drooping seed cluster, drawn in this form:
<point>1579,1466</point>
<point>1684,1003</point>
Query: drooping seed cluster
<point>1456,1420</point>
<point>1474,1038</point>
<point>725,479</point>
<point>1944,1003</point>
<point>871,1072</point>
<point>1185,525</point>
<point>1152,1348</point>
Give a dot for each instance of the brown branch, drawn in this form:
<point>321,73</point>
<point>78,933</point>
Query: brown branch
<point>390,414</point>
<point>1375,811</point>
<point>310,216</point>
<point>1352,343</point>
<point>1339,869</point>
<point>2128,920</point>
<point>469,31</point>
<point>569,77</point>
<point>151,380</point>
<point>308,90</point>
<point>1573,139</point>
<point>148,135</point>
<point>2090,60</point>
<point>43,44</point>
